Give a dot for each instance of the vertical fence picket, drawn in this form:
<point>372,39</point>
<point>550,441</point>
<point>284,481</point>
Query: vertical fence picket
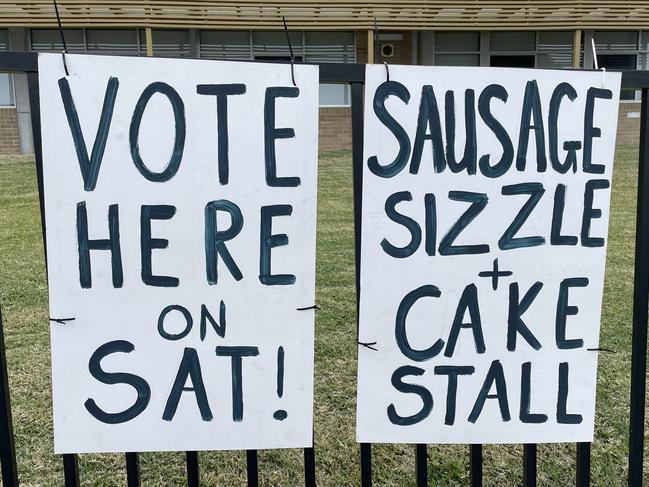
<point>421,465</point>
<point>132,469</point>
<point>529,465</point>
<point>7,448</point>
<point>357,167</point>
<point>640,304</point>
<point>309,467</point>
<point>71,470</point>
<point>583,465</point>
<point>252,468</point>
<point>193,472</point>
<point>475,465</point>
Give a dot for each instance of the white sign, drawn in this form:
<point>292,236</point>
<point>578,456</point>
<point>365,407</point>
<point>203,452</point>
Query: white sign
<point>180,203</point>
<point>484,228</point>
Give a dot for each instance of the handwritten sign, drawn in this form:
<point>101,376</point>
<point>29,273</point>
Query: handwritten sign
<point>484,227</point>
<point>180,204</point>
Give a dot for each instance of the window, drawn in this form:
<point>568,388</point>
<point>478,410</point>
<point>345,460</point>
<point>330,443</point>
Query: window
<point>616,62</point>
<point>512,61</point>
<point>228,45</point>
<point>173,43</point>
<point>112,41</point>
<point>6,90</point>
<point>334,95</point>
<point>616,41</point>
<point>457,41</point>
<point>457,48</point>
<point>622,50</point>
<point>272,46</point>
<point>4,39</point>
<point>50,40</point>
<point>512,41</point>
<point>644,40</point>
<point>329,47</point>
<point>6,80</point>
<point>554,50</point>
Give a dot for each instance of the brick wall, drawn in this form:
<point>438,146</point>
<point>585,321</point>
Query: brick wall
<point>335,128</point>
<point>628,125</point>
<point>9,138</point>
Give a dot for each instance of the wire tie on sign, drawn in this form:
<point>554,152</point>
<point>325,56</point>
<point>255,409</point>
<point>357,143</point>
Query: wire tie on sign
<point>65,46</point>
<point>592,46</point>
<point>600,349</point>
<point>376,41</point>
<point>290,49</point>
<point>369,345</point>
<point>62,321</point>
<point>315,307</point>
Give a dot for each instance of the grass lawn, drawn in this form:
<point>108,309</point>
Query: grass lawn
<point>23,295</point>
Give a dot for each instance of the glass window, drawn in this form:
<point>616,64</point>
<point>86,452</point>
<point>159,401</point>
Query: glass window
<point>457,60</point>
<point>616,41</point>
<point>643,62</point>
<point>273,46</point>
<point>113,41</point>
<point>168,42</point>
<point>234,45</point>
<point>644,40</point>
<point>555,41</point>
<point>457,41</point>
<point>616,62</point>
<point>6,90</point>
<point>512,41</point>
<point>554,60</point>
<point>329,47</point>
<point>4,39</point>
<point>334,95</point>
<point>50,40</point>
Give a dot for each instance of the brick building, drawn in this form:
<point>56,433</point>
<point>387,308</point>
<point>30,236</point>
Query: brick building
<point>543,34</point>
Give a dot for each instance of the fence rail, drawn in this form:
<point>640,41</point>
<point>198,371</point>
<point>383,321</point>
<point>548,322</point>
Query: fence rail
<point>354,75</point>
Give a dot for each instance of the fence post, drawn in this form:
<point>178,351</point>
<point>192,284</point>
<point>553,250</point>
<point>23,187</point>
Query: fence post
<point>357,166</point>
<point>132,469</point>
<point>640,303</point>
<point>421,464</point>
<point>529,465</point>
<point>475,463</point>
<point>193,476</point>
<point>71,470</point>
<point>7,448</point>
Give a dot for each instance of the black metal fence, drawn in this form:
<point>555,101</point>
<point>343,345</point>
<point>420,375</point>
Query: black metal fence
<point>354,75</point>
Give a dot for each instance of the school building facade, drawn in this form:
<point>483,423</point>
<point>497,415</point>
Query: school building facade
<point>543,34</point>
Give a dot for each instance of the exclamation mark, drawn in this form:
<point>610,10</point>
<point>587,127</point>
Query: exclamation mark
<point>280,414</point>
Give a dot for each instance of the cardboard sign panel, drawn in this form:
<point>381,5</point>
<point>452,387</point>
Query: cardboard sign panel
<point>180,204</point>
<point>484,228</point>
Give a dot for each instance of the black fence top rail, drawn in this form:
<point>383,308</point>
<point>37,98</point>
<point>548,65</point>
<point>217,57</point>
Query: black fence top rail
<point>27,62</point>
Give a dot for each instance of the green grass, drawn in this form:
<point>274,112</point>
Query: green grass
<point>23,295</point>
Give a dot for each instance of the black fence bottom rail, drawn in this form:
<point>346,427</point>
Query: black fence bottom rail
<point>354,74</point>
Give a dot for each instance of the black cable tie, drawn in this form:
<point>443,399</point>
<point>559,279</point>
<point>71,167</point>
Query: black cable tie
<point>290,49</point>
<point>293,73</point>
<point>369,345</point>
<point>600,349</point>
<point>65,45</point>
<point>315,307</point>
<point>62,321</point>
<point>376,40</point>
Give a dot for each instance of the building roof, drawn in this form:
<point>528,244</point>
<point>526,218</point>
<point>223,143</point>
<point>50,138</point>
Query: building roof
<point>332,14</point>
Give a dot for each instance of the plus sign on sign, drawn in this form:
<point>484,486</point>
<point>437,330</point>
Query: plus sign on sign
<point>484,227</point>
